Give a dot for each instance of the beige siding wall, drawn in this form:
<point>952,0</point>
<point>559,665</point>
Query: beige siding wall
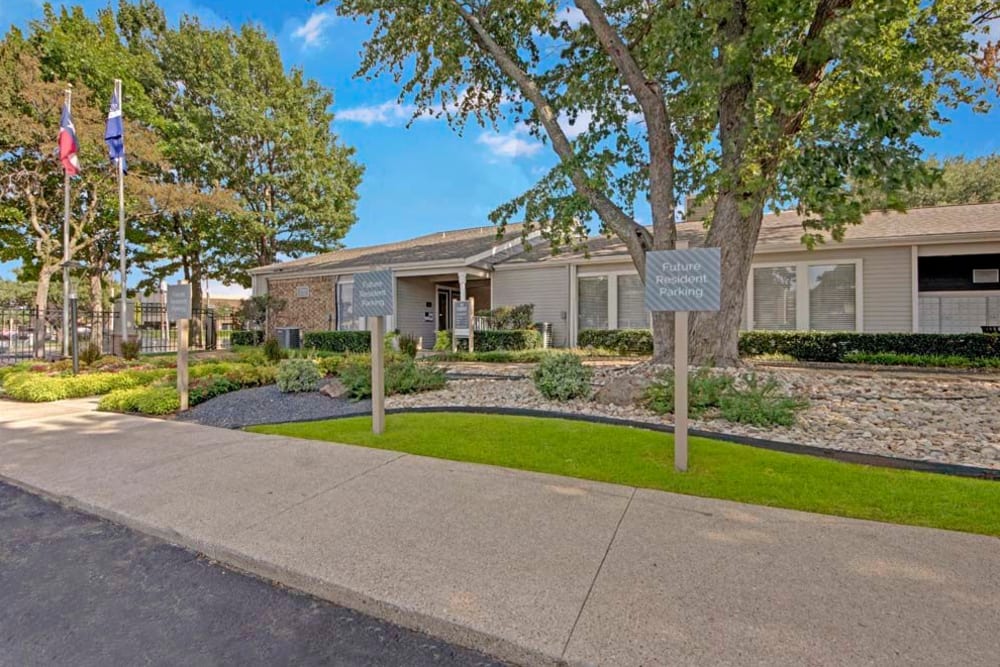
<point>412,297</point>
<point>546,288</point>
<point>887,294</point>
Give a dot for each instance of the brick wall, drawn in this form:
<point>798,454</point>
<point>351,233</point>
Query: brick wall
<point>315,312</point>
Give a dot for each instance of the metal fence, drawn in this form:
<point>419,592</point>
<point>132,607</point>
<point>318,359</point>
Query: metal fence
<point>27,334</point>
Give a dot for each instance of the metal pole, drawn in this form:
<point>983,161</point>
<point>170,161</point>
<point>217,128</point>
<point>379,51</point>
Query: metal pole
<point>76,340</point>
<point>66,257</point>
<point>121,224</point>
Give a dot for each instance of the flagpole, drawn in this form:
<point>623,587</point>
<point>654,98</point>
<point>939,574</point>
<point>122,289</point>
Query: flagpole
<point>121,222</point>
<point>66,203</point>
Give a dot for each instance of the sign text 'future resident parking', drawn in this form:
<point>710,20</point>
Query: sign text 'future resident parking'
<point>683,279</point>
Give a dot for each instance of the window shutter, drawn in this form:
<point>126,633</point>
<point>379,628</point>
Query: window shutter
<point>592,293</point>
<point>632,313</point>
<point>774,298</point>
<point>833,297</point>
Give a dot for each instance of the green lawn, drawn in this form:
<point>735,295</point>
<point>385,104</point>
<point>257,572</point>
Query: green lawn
<point>638,457</point>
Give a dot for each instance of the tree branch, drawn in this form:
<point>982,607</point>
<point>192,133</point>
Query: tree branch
<point>649,94</point>
<point>636,238</point>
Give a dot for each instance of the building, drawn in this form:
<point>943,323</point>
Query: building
<point>933,270</point>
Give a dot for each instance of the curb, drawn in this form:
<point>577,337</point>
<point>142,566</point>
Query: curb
<point>440,628</point>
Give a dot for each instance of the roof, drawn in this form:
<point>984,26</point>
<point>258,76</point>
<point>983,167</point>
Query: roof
<point>447,247</point>
<point>783,231</point>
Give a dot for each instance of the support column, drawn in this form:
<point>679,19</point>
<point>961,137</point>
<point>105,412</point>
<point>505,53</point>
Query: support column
<point>461,286</point>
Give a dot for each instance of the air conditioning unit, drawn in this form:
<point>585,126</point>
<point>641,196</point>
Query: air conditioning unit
<point>289,338</point>
<point>985,276</point>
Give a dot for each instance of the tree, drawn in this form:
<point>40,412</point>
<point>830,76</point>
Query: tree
<point>746,103</point>
<point>958,181</point>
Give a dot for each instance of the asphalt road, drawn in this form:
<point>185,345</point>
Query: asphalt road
<point>77,590</point>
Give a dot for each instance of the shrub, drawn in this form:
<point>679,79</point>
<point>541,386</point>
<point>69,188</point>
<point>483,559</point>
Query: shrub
<point>402,376</point>
<point>330,365</point>
<point>338,341</point>
<point>562,376</point>
<point>519,339</point>
<point>295,375</point>
<point>834,347</point>
<point>156,400</point>
<point>203,388</point>
<point>759,403</point>
<point>509,318</point>
<point>247,338</point>
<point>90,354</point>
<point>272,350</point>
<point>920,360</point>
<point>37,388</point>
<point>408,345</point>
<point>131,349</point>
<point>620,341</point>
<point>442,341</point>
<point>705,391</point>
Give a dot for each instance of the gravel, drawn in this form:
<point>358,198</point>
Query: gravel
<point>267,405</point>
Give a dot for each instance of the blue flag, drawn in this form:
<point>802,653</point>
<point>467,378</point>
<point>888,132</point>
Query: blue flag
<point>114,132</point>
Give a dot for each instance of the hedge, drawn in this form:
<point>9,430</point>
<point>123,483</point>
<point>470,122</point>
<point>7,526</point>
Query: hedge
<point>246,338</point>
<point>834,347</point>
<point>38,388</point>
<point>622,341</point>
<point>491,340</point>
<point>338,341</point>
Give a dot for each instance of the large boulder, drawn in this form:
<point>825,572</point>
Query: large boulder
<point>628,387</point>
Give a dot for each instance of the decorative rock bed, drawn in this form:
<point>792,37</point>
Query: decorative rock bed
<point>944,418</point>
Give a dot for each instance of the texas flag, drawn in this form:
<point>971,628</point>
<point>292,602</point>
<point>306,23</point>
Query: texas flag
<point>68,145</point>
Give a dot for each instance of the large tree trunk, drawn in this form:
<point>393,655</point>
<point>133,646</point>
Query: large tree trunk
<point>715,336</point>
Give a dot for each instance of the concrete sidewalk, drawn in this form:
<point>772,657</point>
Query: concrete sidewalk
<point>533,568</point>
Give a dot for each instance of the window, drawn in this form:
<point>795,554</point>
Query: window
<point>803,296</point>
<point>832,297</point>
<point>632,313</point>
<point>593,302</point>
<point>345,307</point>
<point>774,298</point>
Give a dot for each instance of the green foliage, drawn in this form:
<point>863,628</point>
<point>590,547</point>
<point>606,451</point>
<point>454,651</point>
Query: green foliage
<point>959,180</point>
<point>519,339</point>
<point>834,347</point>
<point>920,360</point>
<point>156,400</point>
<point>131,349</point>
<point>37,388</point>
<point>297,375</point>
<point>408,345</point>
<point>760,403</point>
<point>621,341</point>
<point>562,377</point>
<point>330,365</point>
<point>90,354</point>
<point>705,391</point>
<point>506,318</point>
<point>272,350</point>
<point>338,341</point>
<point>247,338</point>
<point>442,341</point>
<point>642,458</point>
<point>402,376</point>
<point>254,311</point>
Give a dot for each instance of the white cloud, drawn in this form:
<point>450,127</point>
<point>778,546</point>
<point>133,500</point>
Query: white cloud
<point>579,126</point>
<point>387,113</point>
<point>513,144</point>
<point>312,31</point>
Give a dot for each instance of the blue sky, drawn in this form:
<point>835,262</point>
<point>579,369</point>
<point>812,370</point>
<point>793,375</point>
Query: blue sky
<point>425,178</point>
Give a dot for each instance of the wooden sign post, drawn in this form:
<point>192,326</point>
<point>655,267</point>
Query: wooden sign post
<point>680,281</point>
<point>373,300</point>
<point>179,310</point>
<point>462,323</point>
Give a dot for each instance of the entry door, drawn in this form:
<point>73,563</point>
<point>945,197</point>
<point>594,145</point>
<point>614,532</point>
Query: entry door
<point>444,297</point>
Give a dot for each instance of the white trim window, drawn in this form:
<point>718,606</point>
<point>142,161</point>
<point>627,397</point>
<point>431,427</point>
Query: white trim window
<point>345,307</point>
<point>611,300</point>
<point>806,296</point>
